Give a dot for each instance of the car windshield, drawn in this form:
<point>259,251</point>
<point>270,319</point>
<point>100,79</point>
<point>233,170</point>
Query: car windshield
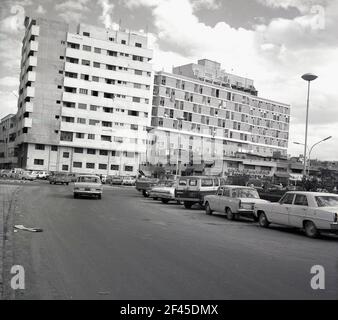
<point>327,201</point>
<point>88,179</point>
<point>248,193</point>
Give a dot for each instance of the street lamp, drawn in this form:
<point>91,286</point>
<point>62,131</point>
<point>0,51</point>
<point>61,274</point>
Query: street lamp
<point>327,138</point>
<point>179,145</point>
<point>307,77</point>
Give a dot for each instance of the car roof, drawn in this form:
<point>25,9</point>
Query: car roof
<point>199,177</point>
<point>237,187</point>
<point>88,175</point>
<point>313,193</point>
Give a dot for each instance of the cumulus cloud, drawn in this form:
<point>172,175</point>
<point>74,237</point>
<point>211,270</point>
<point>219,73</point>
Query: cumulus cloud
<point>9,81</point>
<point>14,22</point>
<point>79,5</point>
<point>40,10</point>
<point>106,15</point>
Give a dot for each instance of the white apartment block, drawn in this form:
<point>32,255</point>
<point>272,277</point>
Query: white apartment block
<point>201,114</point>
<point>85,99</point>
<point>8,158</point>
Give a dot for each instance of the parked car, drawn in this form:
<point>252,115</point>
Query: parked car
<point>61,178</point>
<point>73,176</point>
<point>234,201</point>
<point>144,184</point>
<point>115,180</point>
<point>6,173</point>
<point>193,189</point>
<point>42,175</point>
<point>88,185</point>
<point>28,175</point>
<point>164,191</point>
<point>128,181</point>
<point>312,211</point>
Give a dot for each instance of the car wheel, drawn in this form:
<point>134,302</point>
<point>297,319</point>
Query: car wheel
<point>187,204</point>
<point>99,196</point>
<point>145,194</point>
<point>67,183</point>
<point>310,229</point>
<point>50,182</point>
<point>263,220</point>
<point>165,201</point>
<point>230,215</point>
<point>208,210</point>
<point>75,196</point>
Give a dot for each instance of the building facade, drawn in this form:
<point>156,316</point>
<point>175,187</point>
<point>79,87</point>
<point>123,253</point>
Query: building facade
<point>8,153</point>
<point>85,99</point>
<point>201,115</point>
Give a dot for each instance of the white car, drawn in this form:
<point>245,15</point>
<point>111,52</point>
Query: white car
<point>42,175</point>
<point>28,175</point>
<point>164,191</point>
<point>234,201</point>
<point>312,211</point>
<point>88,185</point>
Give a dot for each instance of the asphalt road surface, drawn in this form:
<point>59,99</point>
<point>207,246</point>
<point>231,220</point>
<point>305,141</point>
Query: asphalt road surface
<point>128,247</point>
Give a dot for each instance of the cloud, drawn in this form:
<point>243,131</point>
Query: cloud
<point>14,22</point>
<point>106,15</point>
<point>206,4</point>
<point>8,103</point>
<point>304,6</point>
<point>79,5</point>
<point>40,10</point>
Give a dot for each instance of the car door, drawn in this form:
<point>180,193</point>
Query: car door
<point>298,211</point>
<point>225,200</point>
<point>280,214</point>
<point>219,199</point>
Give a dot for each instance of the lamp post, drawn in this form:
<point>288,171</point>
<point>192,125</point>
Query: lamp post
<point>179,119</point>
<point>327,138</point>
<point>307,77</point>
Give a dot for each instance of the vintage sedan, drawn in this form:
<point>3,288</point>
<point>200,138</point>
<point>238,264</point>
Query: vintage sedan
<point>164,191</point>
<point>312,211</point>
<point>88,185</point>
<point>234,201</point>
<point>59,178</point>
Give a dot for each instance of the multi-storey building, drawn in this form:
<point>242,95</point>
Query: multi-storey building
<point>8,157</point>
<point>201,114</point>
<point>85,98</point>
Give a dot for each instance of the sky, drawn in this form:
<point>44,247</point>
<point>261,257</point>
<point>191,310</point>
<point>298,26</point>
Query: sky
<point>273,42</point>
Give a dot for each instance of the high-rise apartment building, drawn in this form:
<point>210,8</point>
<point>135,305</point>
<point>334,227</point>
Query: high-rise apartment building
<point>85,99</point>
<point>202,114</point>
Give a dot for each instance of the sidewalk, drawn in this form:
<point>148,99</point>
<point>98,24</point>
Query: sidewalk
<point>7,202</point>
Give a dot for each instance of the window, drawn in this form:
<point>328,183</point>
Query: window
<point>82,106</point>
<point>54,148</point>
<point>66,155</point>
<point>66,136</point>
<point>96,65</point>
<point>133,113</point>
<point>83,91</point>
<point>102,166</point>
<point>112,53</point>
<point>106,138</point>
<point>70,74</point>
<point>39,147</point>
<point>193,182</point>
<point>38,162</point>
<point>78,150</point>
<point>300,200</point>
<point>85,62</point>
<point>79,135</point>
<point>206,183</point>
<point>85,77</point>
<point>138,72</point>
<point>93,107</point>
<point>90,165</point>
<point>81,120</point>
<point>138,45</point>
<point>107,124</point>
<point>123,41</point>
<point>134,127</point>
<point>97,50</point>
<point>87,48</point>
<point>95,79</point>
<point>86,34</point>
<point>110,67</point>
<point>95,93</point>
<point>136,99</point>
<point>91,136</point>
<point>103,152</point>
<point>77,164</point>
<point>91,151</point>
<point>93,122</point>
<point>114,167</point>
<point>65,167</point>
<point>287,199</point>
<point>128,168</point>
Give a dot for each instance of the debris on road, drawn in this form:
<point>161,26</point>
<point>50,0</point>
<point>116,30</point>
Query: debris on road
<point>22,227</point>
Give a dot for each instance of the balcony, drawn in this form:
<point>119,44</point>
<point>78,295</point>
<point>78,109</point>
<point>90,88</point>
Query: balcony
<point>27,122</point>
<point>33,46</point>
<point>35,30</point>
<point>32,61</point>
<point>31,76</point>
<point>27,107</point>
<point>29,92</point>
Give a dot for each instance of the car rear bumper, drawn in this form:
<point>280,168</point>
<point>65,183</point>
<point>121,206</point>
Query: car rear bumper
<point>82,192</point>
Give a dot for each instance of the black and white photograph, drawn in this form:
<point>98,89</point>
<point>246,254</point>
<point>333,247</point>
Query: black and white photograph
<point>169,150</point>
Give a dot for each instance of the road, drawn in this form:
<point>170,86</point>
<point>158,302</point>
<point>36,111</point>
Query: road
<point>129,247</point>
